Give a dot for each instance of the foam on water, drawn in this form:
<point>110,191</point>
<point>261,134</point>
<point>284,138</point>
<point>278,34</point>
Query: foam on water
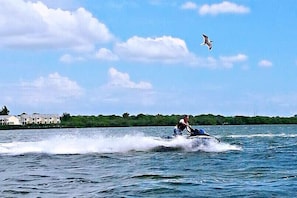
<point>79,144</point>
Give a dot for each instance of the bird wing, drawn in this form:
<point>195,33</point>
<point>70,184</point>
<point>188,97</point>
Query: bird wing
<point>204,36</point>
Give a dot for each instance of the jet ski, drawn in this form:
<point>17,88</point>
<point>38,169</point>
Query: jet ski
<point>200,136</point>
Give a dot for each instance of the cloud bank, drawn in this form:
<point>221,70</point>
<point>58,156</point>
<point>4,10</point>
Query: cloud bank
<point>81,33</point>
<point>42,27</point>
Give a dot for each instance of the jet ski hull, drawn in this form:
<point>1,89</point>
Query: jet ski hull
<point>199,140</point>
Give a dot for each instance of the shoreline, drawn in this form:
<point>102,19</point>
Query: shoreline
<point>7,128</point>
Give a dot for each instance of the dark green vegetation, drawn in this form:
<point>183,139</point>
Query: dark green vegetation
<point>127,120</point>
<point>4,111</point>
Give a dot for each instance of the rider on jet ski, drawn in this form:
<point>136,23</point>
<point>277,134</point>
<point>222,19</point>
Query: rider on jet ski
<point>181,125</point>
<point>184,124</point>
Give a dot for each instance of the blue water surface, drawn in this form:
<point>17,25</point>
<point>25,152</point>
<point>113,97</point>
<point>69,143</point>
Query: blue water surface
<point>249,161</point>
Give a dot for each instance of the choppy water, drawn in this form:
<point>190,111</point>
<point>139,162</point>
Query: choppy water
<point>250,161</point>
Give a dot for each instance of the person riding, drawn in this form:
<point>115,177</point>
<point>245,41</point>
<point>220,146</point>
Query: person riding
<point>181,125</point>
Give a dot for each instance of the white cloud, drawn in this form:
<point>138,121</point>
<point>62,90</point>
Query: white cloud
<point>67,58</point>
<point>265,63</point>
<point>189,5</point>
<point>51,89</point>
<point>229,61</point>
<point>122,80</point>
<point>106,54</point>
<point>225,62</point>
<point>223,7</point>
<point>34,25</point>
<point>164,49</point>
<point>101,54</point>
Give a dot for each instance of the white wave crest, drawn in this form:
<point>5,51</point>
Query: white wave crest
<point>78,144</point>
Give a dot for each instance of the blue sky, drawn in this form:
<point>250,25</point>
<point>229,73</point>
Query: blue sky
<point>144,56</point>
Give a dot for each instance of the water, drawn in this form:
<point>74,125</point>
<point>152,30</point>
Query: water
<point>250,161</point>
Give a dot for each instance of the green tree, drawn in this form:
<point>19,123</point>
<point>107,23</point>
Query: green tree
<point>4,111</point>
<point>126,115</point>
<point>65,117</point>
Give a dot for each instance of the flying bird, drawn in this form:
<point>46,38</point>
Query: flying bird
<point>206,41</point>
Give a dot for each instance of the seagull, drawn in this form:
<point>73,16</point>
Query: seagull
<point>206,41</point>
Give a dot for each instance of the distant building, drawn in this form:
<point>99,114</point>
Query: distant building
<point>37,118</point>
<point>9,120</point>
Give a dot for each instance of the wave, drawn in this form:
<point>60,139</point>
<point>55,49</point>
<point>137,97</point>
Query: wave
<point>78,144</point>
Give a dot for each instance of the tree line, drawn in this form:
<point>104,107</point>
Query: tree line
<point>127,120</point>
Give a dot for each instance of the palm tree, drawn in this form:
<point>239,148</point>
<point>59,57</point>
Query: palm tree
<point>4,111</point>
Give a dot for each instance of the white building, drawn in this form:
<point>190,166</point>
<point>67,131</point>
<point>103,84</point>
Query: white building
<point>9,120</point>
<point>37,118</point>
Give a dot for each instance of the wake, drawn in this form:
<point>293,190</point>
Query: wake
<point>79,144</point>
